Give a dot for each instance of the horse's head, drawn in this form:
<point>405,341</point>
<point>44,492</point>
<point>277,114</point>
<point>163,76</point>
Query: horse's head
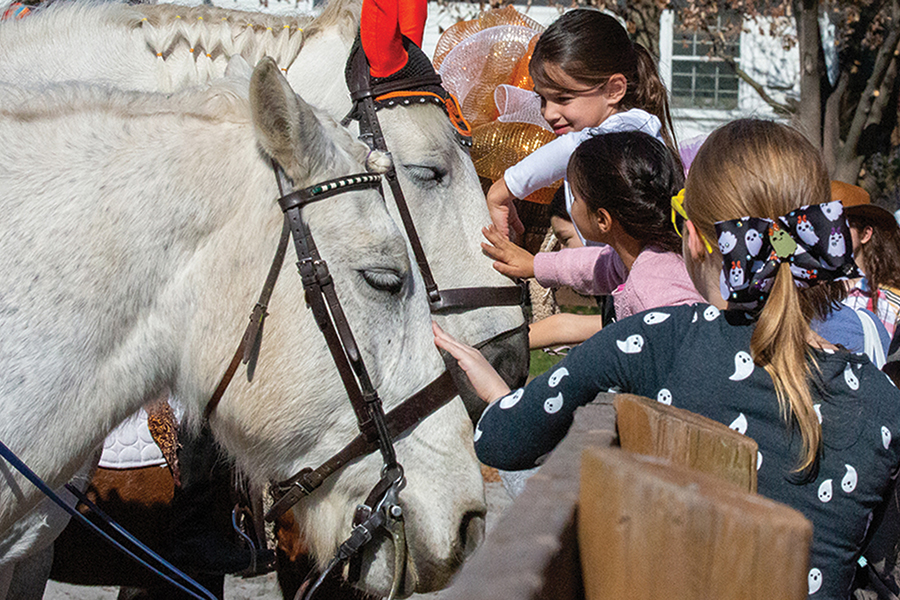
<point>293,414</point>
<point>296,413</point>
<point>442,190</point>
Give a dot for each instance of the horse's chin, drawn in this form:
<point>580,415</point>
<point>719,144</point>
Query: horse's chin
<point>424,574</point>
<point>376,575</point>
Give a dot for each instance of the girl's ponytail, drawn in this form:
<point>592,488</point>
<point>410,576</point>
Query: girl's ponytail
<point>649,93</point>
<point>755,168</point>
<point>779,345</point>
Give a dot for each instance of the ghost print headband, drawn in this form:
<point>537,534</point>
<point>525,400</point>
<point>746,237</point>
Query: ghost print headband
<point>814,240</point>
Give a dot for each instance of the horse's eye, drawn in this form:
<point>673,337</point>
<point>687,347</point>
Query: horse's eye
<point>426,176</point>
<point>383,280</point>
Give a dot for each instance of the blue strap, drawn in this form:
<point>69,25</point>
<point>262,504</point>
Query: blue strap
<point>201,593</point>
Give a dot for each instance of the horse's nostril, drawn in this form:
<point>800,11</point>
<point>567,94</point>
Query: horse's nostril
<point>471,532</point>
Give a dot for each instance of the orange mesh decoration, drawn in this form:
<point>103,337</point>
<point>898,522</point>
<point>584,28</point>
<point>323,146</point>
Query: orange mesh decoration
<point>503,58</point>
<point>491,18</point>
<point>474,59</point>
<point>521,78</point>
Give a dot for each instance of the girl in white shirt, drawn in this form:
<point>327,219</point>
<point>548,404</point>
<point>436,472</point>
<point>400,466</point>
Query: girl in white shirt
<point>592,80</point>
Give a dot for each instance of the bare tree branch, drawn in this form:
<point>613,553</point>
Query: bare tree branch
<point>847,154</point>
<point>780,108</point>
<point>719,42</point>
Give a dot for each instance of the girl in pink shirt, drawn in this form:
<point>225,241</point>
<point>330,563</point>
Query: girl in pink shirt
<point>622,185</point>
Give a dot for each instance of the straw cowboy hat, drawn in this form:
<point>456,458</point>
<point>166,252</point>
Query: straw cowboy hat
<point>857,202</point>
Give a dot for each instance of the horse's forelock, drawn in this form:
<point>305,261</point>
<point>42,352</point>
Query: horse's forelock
<point>432,122</point>
<point>341,14</point>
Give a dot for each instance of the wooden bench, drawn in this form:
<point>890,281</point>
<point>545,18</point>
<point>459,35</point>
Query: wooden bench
<point>533,551</point>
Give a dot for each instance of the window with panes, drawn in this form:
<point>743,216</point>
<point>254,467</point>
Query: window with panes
<point>700,78</point>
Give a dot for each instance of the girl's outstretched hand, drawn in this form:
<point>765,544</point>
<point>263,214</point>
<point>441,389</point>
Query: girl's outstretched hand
<point>502,210</point>
<point>487,383</point>
<point>511,260</point>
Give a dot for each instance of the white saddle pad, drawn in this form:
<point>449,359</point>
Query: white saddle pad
<point>130,445</point>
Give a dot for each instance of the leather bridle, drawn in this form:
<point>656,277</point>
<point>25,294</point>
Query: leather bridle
<point>381,509</point>
<point>367,99</point>
<point>377,429</point>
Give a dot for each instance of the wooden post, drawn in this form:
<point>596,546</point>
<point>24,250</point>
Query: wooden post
<point>685,438</point>
<point>650,529</point>
<point>532,552</point>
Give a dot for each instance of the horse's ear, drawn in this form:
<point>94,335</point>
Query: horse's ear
<point>287,129</point>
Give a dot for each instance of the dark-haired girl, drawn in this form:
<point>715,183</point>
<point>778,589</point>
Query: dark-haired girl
<point>622,186</point>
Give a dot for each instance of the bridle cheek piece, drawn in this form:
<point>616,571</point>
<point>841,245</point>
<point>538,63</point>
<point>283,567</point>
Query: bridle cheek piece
<point>368,99</point>
<point>377,430</point>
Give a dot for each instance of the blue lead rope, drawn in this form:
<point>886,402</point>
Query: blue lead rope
<point>199,592</point>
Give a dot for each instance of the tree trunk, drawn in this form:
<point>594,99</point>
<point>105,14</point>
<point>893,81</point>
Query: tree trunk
<point>809,113</point>
<point>831,128</point>
<point>869,109</point>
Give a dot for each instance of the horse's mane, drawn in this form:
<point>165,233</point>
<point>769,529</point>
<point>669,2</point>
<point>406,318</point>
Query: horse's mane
<point>225,100</point>
<point>341,14</point>
<point>211,31</point>
<point>188,44</point>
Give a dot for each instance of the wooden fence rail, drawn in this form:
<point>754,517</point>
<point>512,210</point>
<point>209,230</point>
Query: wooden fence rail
<point>687,528</point>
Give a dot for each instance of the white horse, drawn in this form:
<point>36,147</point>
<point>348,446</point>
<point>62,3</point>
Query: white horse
<point>137,232</point>
<point>163,47</point>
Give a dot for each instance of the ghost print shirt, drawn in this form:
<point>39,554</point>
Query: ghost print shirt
<point>698,358</point>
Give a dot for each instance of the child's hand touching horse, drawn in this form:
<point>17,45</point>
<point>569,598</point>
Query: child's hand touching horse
<point>503,211</point>
<point>487,383</point>
<point>511,260</point>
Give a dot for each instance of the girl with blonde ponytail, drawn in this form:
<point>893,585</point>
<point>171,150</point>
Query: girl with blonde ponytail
<point>767,247</point>
<point>729,190</point>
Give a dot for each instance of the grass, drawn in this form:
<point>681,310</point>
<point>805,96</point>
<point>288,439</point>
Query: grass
<point>541,362</point>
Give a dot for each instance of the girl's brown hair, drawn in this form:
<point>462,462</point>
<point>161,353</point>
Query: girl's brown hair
<point>880,255</point>
<point>753,168</point>
<point>591,46</point>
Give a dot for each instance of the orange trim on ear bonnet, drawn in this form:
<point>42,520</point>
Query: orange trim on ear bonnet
<point>449,104</point>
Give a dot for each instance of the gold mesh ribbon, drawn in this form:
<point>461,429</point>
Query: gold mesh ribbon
<point>496,145</point>
<point>164,429</point>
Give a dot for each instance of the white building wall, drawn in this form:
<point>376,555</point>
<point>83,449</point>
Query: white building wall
<point>762,58</point>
